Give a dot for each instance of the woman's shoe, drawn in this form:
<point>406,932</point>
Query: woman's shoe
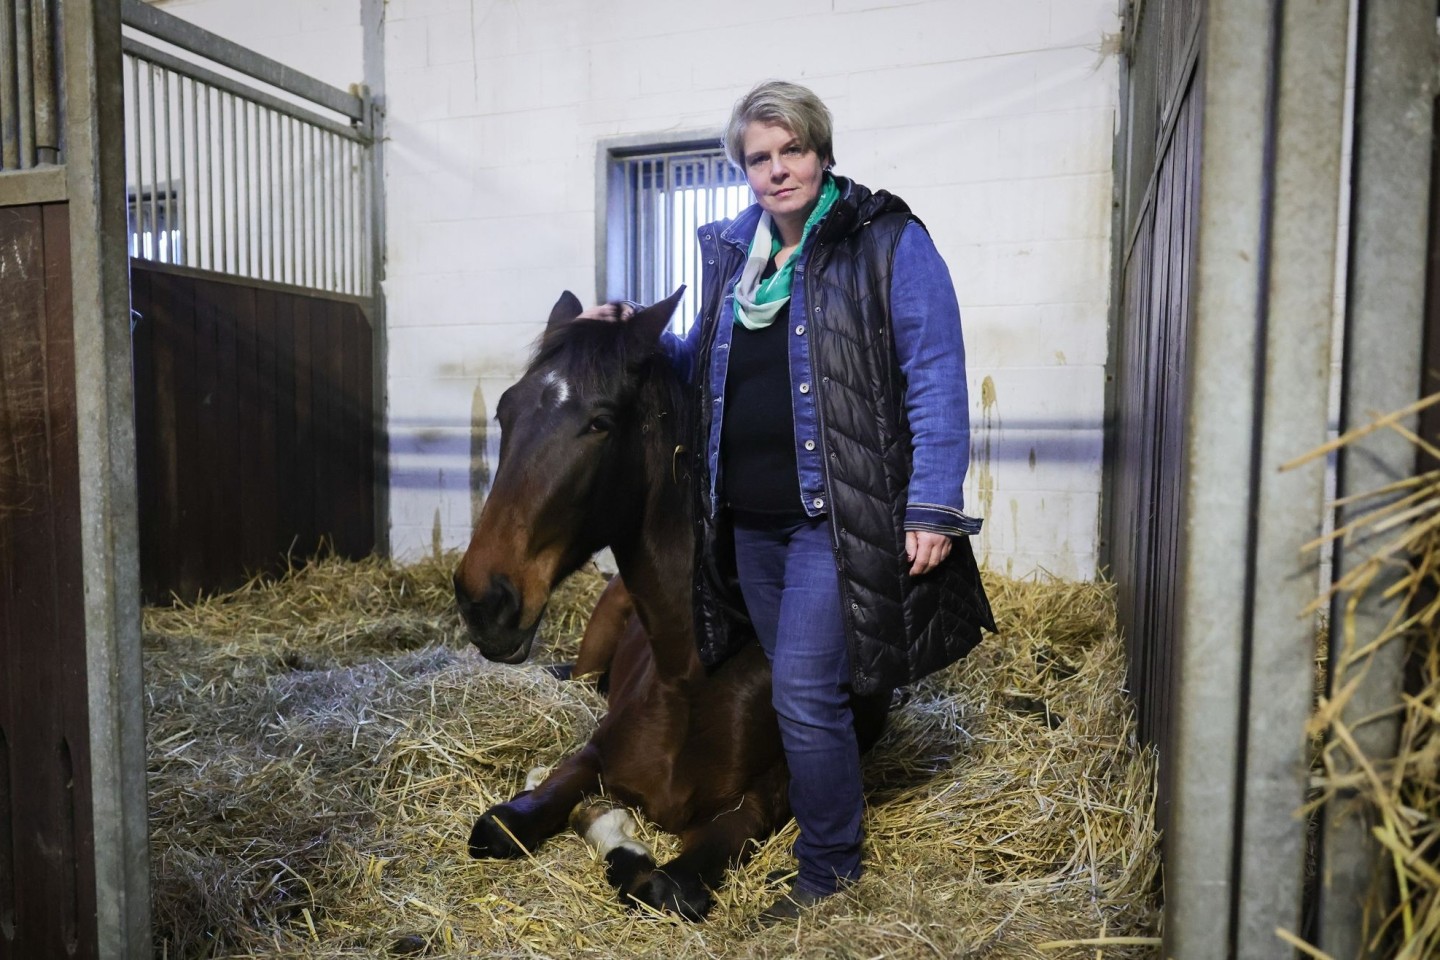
<point>789,905</point>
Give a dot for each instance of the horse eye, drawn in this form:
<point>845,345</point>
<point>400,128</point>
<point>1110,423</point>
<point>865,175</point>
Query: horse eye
<point>601,424</point>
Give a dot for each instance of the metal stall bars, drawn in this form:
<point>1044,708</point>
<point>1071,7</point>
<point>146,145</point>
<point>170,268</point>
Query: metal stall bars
<point>30,97</point>
<point>253,228</point>
<point>227,176</point>
<point>74,876</point>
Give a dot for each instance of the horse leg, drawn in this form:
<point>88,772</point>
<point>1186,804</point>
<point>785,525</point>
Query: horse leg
<point>708,849</point>
<point>515,828</point>
<point>610,832</point>
<point>603,632</point>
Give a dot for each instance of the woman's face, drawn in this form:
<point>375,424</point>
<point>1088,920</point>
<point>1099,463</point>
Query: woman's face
<point>786,177</point>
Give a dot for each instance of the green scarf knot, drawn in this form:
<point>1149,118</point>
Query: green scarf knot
<point>757,301</point>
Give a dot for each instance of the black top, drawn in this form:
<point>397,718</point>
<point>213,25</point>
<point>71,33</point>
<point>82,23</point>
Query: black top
<point>757,436</point>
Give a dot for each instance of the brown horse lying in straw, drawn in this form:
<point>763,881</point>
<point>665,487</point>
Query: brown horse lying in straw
<point>590,457</point>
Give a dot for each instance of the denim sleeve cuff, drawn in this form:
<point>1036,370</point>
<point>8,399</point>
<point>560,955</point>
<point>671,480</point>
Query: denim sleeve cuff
<point>939,519</point>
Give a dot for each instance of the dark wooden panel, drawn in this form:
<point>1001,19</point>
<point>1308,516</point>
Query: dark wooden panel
<point>250,547</point>
<point>303,490</point>
<point>292,512</point>
<point>1430,375</point>
<point>158,459</point>
<point>149,469</point>
<point>368,424</point>
<point>222,313</point>
<point>353,533</point>
<point>1149,469</point>
<point>324,349</point>
<point>77,816</point>
<point>48,890</point>
<point>201,482</point>
<point>259,445</point>
<point>177,556</point>
<point>265,543</point>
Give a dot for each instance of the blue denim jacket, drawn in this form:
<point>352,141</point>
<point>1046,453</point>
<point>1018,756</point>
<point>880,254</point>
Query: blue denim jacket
<point>925,316</point>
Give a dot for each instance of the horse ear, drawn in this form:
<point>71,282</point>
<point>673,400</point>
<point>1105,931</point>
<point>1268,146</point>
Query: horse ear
<point>652,321</point>
<point>567,308</point>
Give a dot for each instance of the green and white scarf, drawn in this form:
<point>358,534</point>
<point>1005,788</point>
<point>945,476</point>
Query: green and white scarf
<point>757,301</point>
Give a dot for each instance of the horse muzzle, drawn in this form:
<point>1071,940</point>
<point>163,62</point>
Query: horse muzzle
<point>494,620</point>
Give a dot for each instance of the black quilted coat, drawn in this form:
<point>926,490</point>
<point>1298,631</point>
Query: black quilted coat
<point>899,627</point>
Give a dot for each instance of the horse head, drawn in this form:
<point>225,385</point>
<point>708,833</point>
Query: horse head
<point>569,480</point>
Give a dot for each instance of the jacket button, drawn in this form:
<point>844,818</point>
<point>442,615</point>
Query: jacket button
<point>824,379</point>
<point>710,261</point>
<point>854,606</point>
<point>817,309</point>
<point>804,388</point>
<point>809,444</point>
<point>800,330</point>
<point>817,503</point>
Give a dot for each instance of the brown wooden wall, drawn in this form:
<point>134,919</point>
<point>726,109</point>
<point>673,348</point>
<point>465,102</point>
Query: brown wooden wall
<point>254,428</point>
<point>47,879</point>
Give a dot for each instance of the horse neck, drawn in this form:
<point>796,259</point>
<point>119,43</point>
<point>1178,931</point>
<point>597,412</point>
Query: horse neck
<point>657,559</point>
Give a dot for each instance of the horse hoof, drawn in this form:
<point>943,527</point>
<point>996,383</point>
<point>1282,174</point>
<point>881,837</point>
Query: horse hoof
<point>494,839</point>
<point>685,896</point>
<point>623,865</point>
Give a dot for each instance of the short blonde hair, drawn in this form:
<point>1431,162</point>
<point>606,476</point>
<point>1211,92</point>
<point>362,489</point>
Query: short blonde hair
<point>794,107</point>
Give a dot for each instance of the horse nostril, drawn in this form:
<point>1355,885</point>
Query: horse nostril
<point>502,601</point>
<point>499,606</point>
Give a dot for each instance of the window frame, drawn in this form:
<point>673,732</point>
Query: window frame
<point>611,239</point>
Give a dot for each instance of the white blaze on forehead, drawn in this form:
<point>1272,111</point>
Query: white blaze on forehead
<point>555,386</point>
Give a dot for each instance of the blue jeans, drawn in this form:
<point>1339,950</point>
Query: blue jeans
<point>792,590</point>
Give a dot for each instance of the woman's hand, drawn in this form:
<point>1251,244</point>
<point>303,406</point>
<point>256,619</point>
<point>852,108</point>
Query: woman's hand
<point>609,311</point>
<point>925,550</point>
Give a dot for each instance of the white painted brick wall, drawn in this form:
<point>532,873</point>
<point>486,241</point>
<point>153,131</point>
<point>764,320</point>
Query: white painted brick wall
<point>318,37</point>
<point>994,120</point>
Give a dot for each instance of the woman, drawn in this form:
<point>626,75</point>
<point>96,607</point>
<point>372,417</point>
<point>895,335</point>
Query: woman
<point>830,447</point>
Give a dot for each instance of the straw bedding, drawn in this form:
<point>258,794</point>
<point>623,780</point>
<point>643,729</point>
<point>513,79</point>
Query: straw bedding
<point>319,747</point>
<point>1400,795</point>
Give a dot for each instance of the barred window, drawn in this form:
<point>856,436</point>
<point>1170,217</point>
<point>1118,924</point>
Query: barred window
<point>658,197</point>
<point>153,225</point>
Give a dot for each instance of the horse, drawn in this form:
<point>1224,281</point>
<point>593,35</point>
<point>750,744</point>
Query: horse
<point>591,455</point>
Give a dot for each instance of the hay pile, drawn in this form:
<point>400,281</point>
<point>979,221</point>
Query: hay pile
<point>1400,794</point>
<point>319,748</point>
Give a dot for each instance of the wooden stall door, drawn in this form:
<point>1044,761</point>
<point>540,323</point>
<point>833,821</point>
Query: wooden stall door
<point>254,428</point>
<point>47,878</point>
